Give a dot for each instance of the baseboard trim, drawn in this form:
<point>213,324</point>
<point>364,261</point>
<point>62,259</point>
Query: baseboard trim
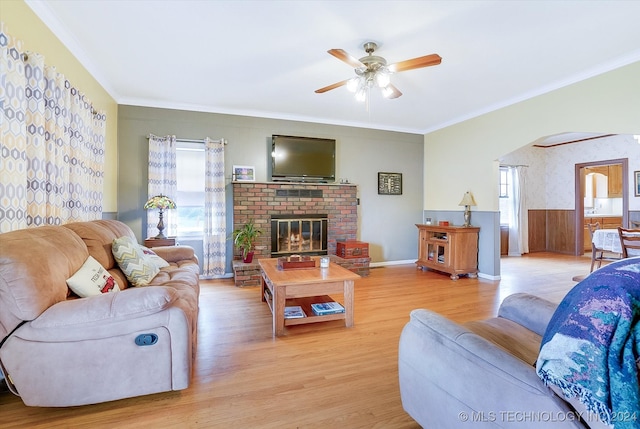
<point>488,277</point>
<point>386,263</point>
<point>390,263</point>
<point>224,276</point>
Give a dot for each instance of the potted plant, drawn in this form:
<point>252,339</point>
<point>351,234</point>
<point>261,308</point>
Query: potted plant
<point>245,238</point>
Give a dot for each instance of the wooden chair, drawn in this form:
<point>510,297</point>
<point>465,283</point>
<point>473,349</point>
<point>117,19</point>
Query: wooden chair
<point>630,241</point>
<point>597,254</point>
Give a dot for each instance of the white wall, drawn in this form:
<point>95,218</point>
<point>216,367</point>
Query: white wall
<point>464,156</point>
<point>535,172</point>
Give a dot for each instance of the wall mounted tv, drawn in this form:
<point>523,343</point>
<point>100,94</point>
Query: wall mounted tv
<point>303,159</point>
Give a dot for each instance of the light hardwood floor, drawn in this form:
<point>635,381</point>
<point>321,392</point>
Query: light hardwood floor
<point>317,376</point>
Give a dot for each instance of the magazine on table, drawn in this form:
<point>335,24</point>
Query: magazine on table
<point>294,312</point>
<point>324,308</point>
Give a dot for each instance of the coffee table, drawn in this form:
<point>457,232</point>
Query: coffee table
<point>303,287</point>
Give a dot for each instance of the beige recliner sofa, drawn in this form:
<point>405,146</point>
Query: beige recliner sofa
<point>482,374</point>
<point>60,350</point>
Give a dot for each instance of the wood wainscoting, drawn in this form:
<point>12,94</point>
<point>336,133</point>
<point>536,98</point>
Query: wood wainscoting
<point>504,240</point>
<point>537,230</point>
<point>552,231</point>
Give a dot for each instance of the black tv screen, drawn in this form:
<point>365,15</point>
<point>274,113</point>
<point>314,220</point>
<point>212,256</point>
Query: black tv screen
<point>303,159</point>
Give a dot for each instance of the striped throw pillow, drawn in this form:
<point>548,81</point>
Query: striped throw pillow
<point>132,261</point>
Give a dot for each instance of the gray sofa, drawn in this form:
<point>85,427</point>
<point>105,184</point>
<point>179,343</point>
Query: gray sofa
<point>61,350</point>
<point>481,374</point>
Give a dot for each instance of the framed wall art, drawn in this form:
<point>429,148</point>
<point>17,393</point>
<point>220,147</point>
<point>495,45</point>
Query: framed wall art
<point>636,183</point>
<point>243,173</point>
<point>389,183</point>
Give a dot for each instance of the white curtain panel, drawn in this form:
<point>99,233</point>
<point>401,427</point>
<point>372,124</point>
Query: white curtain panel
<point>162,180</point>
<point>519,228</point>
<point>214,234</point>
<point>523,211</point>
<point>52,146</point>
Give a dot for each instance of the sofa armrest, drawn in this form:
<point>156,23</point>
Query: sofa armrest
<point>176,253</point>
<point>530,311</point>
<point>447,372</point>
<point>467,345</point>
<point>99,316</point>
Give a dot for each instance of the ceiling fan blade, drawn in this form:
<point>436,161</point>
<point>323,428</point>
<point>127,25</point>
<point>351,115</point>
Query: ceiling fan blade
<point>346,57</point>
<point>332,86</point>
<point>416,63</point>
<point>395,92</point>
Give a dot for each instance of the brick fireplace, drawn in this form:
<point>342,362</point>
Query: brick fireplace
<point>261,201</point>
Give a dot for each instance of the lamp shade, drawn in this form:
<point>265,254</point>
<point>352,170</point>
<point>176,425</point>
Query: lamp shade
<point>467,200</point>
<point>160,202</point>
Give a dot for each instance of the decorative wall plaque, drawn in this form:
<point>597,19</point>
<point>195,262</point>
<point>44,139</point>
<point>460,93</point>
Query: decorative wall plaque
<point>389,183</point>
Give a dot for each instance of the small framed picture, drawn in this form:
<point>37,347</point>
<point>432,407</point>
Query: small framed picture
<point>636,183</point>
<point>389,183</point>
<point>243,173</point>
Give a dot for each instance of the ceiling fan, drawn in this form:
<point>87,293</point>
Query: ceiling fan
<point>372,70</point>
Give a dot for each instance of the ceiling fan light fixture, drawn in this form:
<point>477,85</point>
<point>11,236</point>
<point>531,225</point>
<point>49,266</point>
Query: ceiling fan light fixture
<point>387,91</point>
<point>361,94</point>
<point>383,79</point>
<point>353,84</point>
<point>374,71</point>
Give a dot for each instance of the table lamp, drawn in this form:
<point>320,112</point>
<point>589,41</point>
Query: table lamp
<point>160,202</point>
<point>467,202</point>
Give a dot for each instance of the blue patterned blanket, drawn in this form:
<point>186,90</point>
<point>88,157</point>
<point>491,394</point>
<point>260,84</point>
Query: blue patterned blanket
<point>590,349</point>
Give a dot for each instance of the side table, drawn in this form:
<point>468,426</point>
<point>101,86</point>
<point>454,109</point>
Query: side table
<point>157,242</point>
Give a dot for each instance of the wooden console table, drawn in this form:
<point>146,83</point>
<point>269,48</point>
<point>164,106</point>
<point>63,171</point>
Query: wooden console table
<point>450,249</point>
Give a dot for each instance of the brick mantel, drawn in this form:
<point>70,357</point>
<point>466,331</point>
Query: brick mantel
<point>258,201</point>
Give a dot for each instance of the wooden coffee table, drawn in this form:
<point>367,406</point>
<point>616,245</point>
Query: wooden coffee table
<point>303,287</point>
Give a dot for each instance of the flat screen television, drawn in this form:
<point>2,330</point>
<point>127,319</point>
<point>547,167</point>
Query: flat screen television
<point>303,159</point>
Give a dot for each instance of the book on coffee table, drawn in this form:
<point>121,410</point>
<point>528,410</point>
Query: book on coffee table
<point>294,312</point>
<point>324,308</point>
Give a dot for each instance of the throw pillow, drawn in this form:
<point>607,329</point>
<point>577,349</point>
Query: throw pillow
<point>154,258</point>
<point>92,279</point>
<point>132,261</point>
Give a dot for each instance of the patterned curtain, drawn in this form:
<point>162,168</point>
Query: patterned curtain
<point>162,180</point>
<point>214,241</point>
<point>52,144</point>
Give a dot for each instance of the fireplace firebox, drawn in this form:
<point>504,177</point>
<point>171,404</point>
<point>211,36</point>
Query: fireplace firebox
<point>298,234</point>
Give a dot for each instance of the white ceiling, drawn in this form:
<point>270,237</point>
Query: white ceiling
<point>266,58</point>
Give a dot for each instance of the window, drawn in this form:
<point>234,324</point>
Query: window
<point>504,193</point>
<point>190,169</point>
<point>504,182</point>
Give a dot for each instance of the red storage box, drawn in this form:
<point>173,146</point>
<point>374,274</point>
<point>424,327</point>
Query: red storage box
<point>352,249</point>
<point>295,262</point>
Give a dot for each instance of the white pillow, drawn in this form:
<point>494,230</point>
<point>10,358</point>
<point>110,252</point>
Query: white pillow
<point>152,257</point>
<point>92,279</point>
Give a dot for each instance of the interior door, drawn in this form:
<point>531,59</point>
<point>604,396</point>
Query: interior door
<point>580,188</point>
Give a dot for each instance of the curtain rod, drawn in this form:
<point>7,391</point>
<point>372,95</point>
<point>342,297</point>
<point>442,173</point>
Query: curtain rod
<point>191,140</point>
<point>197,140</point>
<point>513,165</point>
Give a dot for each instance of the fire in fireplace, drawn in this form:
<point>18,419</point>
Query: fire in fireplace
<point>298,234</point>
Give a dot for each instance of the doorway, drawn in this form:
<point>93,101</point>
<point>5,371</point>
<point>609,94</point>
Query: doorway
<point>606,199</point>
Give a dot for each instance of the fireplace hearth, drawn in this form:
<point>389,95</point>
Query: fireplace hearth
<point>299,234</point>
